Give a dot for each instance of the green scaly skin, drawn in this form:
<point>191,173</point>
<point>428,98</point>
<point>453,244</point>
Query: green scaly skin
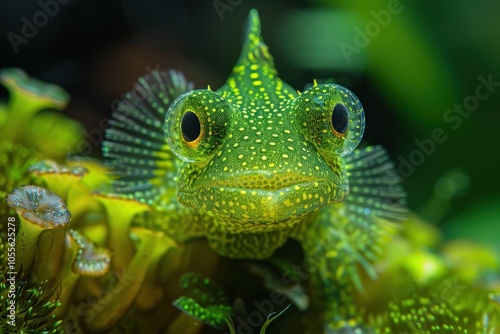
<point>268,164</point>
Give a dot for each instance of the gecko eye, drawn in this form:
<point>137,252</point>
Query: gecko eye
<point>340,119</point>
<point>332,117</point>
<point>196,123</point>
<point>190,126</point>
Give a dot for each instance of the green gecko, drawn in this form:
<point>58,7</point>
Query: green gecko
<point>255,163</point>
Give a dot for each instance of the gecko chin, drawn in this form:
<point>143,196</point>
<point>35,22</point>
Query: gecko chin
<point>253,205</point>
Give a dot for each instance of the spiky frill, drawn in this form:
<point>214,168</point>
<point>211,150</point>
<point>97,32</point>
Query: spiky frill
<point>135,147</point>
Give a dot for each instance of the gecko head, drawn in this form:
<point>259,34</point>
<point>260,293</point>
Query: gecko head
<point>258,163</point>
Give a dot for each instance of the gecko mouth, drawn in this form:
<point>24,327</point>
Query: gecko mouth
<point>251,200</point>
<point>263,182</point>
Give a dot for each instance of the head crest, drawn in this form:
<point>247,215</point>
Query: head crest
<point>254,49</point>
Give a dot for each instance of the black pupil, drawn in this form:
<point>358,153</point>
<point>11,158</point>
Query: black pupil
<point>190,126</point>
<point>340,118</point>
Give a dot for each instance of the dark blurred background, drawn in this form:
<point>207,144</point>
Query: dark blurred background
<point>409,62</point>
